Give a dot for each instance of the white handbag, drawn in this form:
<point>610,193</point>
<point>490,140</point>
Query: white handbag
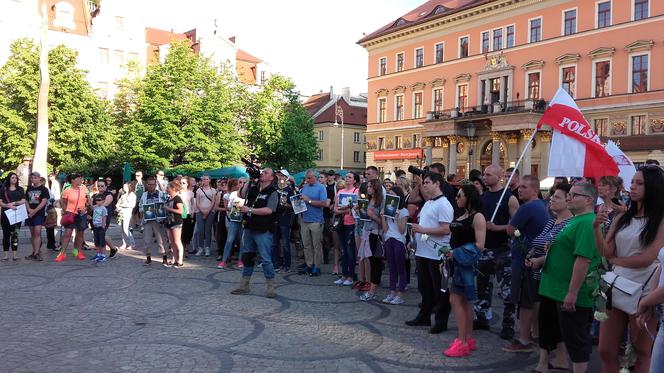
<point>625,294</point>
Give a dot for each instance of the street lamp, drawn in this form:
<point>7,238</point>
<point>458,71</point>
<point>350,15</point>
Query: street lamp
<point>339,112</point>
<point>470,128</point>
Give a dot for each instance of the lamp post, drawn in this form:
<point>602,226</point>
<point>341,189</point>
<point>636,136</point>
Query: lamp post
<point>339,113</point>
<point>470,128</point>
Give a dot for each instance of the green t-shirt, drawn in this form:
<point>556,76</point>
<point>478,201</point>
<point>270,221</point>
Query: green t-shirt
<point>576,239</point>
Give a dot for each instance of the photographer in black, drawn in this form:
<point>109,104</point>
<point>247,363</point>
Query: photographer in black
<point>259,217</point>
<point>417,198</point>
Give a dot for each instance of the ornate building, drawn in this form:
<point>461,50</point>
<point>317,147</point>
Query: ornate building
<point>464,82</point>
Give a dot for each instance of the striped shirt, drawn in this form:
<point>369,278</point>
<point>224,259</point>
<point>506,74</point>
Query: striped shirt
<point>548,235</point>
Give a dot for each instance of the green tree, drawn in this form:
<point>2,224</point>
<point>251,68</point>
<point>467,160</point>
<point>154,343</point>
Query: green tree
<point>81,136</point>
<point>280,130</point>
<point>186,115</point>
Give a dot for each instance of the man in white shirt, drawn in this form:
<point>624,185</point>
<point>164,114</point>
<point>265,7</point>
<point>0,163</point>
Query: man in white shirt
<point>54,202</point>
<point>434,221</point>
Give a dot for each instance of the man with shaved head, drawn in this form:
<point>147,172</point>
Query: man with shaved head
<point>496,259</point>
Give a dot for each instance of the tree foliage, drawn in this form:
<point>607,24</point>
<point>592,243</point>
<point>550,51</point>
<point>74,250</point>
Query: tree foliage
<point>280,130</point>
<point>80,135</point>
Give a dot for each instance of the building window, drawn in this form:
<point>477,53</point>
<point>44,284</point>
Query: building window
<point>535,30</point>
<point>638,124</point>
<point>382,69</point>
<point>602,127</point>
<point>381,143</point>
<point>102,90</point>
<point>509,35</point>
<point>356,137</point>
<point>497,39</point>
<point>463,47</point>
<point>602,78</point>
<point>263,78</point>
<point>321,135</point>
<point>400,58</point>
<point>398,142</point>
<point>417,105</point>
<point>438,100</point>
<point>64,15</point>
<point>320,154</point>
<point>640,9</point>
<point>398,106</point>
<point>569,80</point>
<point>416,141</point>
<point>103,56</point>
<point>604,14</point>
<point>534,86</point>
<point>419,57</point>
<point>118,57</point>
<point>439,53</point>
<point>462,97</point>
<point>364,157</point>
<point>640,73</point>
<point>485,42</point>
<point>570,22</point>
<point>133,56</point>
<point>382,109</point>
<point>119,24</point>
<point>356,157</point>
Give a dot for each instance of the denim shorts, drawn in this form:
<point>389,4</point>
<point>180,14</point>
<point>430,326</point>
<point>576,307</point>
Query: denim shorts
<point>99,234</point>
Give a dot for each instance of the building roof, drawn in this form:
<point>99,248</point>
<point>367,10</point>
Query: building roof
<point>244,56</point>
<point>428,11</point>
<point>161,37</point>
<point>321,107</point>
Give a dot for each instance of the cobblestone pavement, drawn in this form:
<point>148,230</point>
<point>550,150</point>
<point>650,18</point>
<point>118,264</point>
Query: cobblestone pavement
<point>77,316</point>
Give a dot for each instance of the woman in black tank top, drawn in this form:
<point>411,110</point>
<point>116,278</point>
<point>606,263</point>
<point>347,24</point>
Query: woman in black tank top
<point>470,227</point>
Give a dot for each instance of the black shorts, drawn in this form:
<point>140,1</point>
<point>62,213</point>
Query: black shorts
<point>524,288</point>
<point>575,330</point>
<point>549,326</point>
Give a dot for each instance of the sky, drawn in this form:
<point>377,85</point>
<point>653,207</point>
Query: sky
<point>311,41</point>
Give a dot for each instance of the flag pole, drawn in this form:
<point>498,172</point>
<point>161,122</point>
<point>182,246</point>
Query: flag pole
<point>516,166</point>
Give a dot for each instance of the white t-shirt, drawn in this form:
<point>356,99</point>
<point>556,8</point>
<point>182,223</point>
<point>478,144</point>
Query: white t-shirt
<point>232,198</point>
<point>434,212</point>
<point>393,227</point>
<point>205,198</point>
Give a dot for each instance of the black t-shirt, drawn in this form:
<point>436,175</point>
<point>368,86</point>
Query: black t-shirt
<point>35,195</point>
<point>327,211</point>
<point>110,208</point>
<point>515,193</point>
<point>173,219</point>
<point>496,240</point>
<point>12,195</point>
<point>285,211</point>
<point>462,232</point>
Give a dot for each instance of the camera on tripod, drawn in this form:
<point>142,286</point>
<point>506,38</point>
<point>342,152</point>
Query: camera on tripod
<point>253,169</point>
<point>418,171</point>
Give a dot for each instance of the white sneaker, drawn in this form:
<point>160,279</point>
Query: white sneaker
<point>339,282</point>
<point>347,283</point>
<point>388,298</point>
<point>397,300</point>
<point>200,251</point>
<point>207,251</point>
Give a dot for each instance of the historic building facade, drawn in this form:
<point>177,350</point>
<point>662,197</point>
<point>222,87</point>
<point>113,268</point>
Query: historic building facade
<point>464,82</point>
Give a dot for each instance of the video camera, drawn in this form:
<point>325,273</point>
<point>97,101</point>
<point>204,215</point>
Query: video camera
<point>418,171</point>
<point>253,169</point>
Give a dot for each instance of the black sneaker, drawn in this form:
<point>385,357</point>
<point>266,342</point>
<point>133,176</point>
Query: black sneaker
<point>148,261</point>
<point>507,333</point>
<point>481,325</point>
<point>30,257</point>
<point>114,252</point>
<point>305,271</point>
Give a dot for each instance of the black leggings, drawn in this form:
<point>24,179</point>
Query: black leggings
<point>376,263</point>
<point>7,232</point>
<point>187,230</point>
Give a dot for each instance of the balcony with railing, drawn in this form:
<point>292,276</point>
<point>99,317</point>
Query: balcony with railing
<point>497,108</point>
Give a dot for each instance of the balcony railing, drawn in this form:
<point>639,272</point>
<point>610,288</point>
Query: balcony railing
<point>497,108</point>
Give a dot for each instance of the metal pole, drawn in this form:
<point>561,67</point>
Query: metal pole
<point>342,139</point>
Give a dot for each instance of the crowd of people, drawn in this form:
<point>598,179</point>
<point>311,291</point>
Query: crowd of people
<point>493,230</point>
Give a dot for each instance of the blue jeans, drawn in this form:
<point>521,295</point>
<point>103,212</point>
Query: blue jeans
<point>233,229</point>
<point>657,358</point>
<point>347,248</point>
<point>204,229</point>
<point>261,243</point>
<point>281,231</point>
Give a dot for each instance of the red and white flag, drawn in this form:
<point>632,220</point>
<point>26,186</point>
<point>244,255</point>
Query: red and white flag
<point>576,149</point>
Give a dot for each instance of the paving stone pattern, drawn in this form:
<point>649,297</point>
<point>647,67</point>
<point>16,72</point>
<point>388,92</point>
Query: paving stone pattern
<point>120,316</point>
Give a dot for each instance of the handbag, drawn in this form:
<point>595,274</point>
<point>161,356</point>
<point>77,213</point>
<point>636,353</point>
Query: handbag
<point>68,218</point>
<point>51,218</point>
<point>338,222</point>
<point>624,294</point>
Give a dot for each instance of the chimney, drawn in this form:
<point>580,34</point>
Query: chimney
<point>331,92</point>
<point>345,92</point>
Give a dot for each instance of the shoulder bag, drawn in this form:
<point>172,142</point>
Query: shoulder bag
<point>624,294</point>
<point>68,218</point>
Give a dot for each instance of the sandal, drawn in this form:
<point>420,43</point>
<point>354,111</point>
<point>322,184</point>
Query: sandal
<point>4,260</point>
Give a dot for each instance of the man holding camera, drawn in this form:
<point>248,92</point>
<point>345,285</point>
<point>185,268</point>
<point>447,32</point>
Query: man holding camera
<point>259,215</point>
<point>417,197</point>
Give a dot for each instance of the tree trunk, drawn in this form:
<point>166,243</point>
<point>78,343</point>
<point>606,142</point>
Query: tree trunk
<point>41,144</point>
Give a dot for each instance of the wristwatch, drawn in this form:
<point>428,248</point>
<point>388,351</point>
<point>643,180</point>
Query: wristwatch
<point>250,211</point>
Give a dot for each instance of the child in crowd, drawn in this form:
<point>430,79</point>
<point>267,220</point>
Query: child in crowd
<point>99,216</point>
<point>395,248</point>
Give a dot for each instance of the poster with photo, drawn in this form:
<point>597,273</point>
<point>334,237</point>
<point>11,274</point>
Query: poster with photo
<point>161,213</point>
<point>347,199</point>
<point>299,206</point>
<point>235,215</point>
<point>363,207</point>
<point>391,206</point>
<point>149,212</point>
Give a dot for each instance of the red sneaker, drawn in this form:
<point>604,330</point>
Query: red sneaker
<point>240,265</point>
<point>366,286</point>
<point>472,344</point>
<point>80,255</point>
<point>221,265</point>
<point>61,257</point>
<point>457,349</point>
